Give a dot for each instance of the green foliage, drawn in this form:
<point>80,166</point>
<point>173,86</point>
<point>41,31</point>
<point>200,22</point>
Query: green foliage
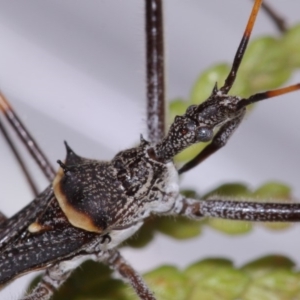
<point>292,43</point>
<point>268,278</point>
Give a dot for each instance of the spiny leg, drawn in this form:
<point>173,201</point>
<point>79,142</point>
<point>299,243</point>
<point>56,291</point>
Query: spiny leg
<point>26,138</point>
<point>155,70</point>
<point>119,264</point>
<point>237,210</point>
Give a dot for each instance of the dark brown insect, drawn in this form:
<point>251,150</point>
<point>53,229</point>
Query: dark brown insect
<point>108,124</point>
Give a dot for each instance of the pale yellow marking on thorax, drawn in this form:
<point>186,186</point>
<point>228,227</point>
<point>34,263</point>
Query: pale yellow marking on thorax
<point>35,227</point>
<point>76,218</point>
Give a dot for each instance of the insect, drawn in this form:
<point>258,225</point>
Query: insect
<point>71,144</point>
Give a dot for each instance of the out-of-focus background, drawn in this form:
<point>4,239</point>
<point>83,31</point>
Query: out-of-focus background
<point>75,70</point>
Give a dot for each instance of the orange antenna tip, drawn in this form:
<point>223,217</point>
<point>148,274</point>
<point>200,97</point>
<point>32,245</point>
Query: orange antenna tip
<point>284,90</point>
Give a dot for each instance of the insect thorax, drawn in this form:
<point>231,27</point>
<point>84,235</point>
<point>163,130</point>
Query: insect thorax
<point>103,196</point>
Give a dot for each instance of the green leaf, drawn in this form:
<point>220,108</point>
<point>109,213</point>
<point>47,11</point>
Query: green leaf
<point>271,277</point>
<point>277,285</point>
<point>177,107</point>
<point>267,264</point>
<point>180,228</point>
<point>203,86</point>
<point>273,190</point>
<point>168,282</point>
<point>264,65</point>
<point>291,44</point>
<point>190,152</point>
<point>230,189</point>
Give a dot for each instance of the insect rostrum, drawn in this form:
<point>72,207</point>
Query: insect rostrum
<point>95,205</point>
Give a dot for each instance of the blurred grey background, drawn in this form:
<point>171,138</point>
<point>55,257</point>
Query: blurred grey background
<point>74,70</point>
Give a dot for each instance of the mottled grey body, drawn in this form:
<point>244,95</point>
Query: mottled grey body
<point>115,196</point>
<point>93,206</point>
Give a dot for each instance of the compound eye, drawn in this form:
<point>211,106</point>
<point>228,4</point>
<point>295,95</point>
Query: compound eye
<point>204,134</point>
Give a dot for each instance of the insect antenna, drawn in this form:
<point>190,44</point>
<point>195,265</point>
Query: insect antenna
<point>224,133</point>
<point>229,81</point>
<point>267,95</point>
<point>222,136</point>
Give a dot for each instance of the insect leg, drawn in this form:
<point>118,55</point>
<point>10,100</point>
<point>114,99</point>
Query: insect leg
<point>26,138</point>
<point>238,210</point>
<point>53,278</point>
<point>219,141</point>
<point>19,159</point>
<point>155,70</point>
<point>118,263</point>
<point>2,216</point>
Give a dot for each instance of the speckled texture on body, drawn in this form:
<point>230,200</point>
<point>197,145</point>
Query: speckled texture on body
<point>115,195</point>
